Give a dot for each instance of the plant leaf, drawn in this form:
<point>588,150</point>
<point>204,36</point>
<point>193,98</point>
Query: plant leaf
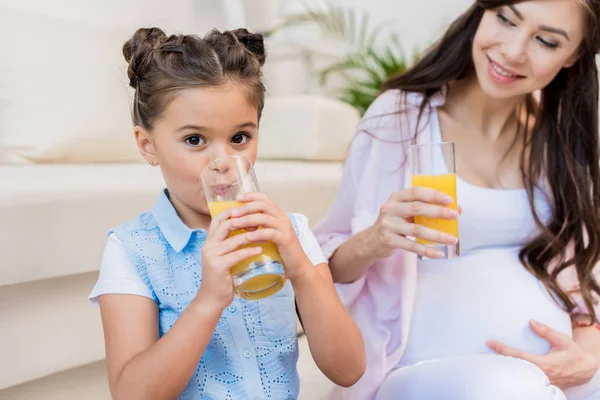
<point>367,65</point>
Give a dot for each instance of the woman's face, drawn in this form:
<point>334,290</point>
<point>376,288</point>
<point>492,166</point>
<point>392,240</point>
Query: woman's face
<point>199,126</point>
<point>520,48</point>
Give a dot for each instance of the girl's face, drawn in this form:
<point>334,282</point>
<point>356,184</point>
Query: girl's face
<point>199,126</point>
<point>520,48</point>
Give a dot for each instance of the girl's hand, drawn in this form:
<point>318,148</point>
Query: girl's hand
<point>566,365</point>
<point>275,226</point>
<point>219,254</point>
<point>396,222</point>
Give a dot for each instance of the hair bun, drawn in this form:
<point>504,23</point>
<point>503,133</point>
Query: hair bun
<point>253,42</point>
<point>138,52</point>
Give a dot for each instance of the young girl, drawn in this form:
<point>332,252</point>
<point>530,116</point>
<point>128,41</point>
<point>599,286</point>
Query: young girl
<point>514,84</point>
<point>172,326</point>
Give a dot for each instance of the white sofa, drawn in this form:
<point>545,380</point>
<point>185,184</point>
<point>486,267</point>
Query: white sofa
<point>69,172</point>
<point>54,222</point>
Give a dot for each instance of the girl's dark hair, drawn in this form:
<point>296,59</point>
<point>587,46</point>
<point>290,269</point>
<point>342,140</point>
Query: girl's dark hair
<point>160,66</point>
<point>563,147</point>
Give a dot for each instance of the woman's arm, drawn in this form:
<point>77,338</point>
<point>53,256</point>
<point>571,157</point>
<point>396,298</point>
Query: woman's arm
<point>570,362</point>
<point>142,366</point>
<point>378,137</point>
<point>587,337</point>
<point>352,259</point>
<point>335,341</point>
<point>390,231</point>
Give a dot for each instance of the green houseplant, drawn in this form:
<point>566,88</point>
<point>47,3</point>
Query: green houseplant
<point>370,60</point>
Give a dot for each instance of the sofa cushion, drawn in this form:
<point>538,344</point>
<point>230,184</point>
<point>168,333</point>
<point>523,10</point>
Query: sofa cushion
<point>63,91</point>
<point>64,97</point>
<point>55,218</point>
<point>306,127</point>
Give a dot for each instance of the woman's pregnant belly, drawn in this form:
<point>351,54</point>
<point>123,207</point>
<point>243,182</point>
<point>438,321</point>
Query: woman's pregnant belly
<point>462,303</point>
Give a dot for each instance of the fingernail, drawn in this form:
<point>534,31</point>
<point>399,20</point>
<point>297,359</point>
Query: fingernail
<point>448,200</point>
<point>452,239</point>
<point>535,323</point>
<point>453,214</point>
<point>438,254</point>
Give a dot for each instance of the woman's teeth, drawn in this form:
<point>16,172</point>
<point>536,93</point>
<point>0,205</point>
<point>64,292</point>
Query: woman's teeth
<point>500,71</point>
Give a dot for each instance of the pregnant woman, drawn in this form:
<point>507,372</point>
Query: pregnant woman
<point>515,86</point>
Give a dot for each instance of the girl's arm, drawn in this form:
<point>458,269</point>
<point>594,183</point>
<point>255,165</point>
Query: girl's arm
<point>142,366</point>
<point>335,341</point>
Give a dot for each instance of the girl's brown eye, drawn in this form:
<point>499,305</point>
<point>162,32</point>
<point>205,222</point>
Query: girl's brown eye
<point>240,138</point>
<point>194,140</point>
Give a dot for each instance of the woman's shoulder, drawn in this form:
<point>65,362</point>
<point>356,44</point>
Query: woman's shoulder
<point>393,115</point>
<point>396,100</point>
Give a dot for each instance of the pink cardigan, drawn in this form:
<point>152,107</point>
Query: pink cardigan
<point>381,301</point>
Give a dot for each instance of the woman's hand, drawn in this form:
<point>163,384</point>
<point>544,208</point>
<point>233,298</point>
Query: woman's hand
<point>219,254</point>
<point>396,222</point>
<point>566,365</point>
<point>258,211</point>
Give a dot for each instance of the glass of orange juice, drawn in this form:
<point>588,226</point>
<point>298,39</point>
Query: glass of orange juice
<point>223,181</point>
<point>433,166</point>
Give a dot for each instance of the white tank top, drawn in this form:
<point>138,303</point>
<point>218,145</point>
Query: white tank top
<point>486,293</point>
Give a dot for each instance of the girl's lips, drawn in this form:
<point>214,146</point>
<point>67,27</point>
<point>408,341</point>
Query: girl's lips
<point>220,190</point>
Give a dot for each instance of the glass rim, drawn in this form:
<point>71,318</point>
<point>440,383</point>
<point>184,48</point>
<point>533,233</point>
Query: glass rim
<point>432,144</point>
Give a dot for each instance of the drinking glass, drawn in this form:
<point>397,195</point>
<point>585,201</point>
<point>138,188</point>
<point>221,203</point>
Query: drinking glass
<point>223,181</point>
<point>433,166</point>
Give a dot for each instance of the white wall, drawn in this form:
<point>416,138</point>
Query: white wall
<point>189,16</point>
<point>288,69</point>
<point>416,22</point>
<point>297,54</point>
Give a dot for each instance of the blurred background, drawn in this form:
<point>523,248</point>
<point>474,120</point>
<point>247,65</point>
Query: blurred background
<point>70,171</point>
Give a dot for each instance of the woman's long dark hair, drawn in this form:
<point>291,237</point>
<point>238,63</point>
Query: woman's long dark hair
<point>563,148</point>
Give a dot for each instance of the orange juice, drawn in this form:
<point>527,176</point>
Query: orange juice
<point>445,183</point>
<point>260,286</point>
